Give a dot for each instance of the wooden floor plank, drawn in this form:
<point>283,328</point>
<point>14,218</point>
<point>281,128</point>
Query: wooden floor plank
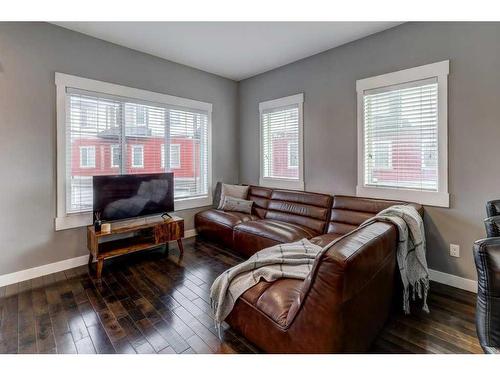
<point>9,328</point>
<point>100,339</point>
<point>26,322</point>
<point>85,346</point>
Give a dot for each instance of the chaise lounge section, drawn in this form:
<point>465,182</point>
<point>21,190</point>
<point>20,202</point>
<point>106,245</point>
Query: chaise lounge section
<point>346,299</point>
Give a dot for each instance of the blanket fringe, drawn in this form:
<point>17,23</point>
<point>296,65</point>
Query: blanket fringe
<point>214,305</point>
<point>419,288</point>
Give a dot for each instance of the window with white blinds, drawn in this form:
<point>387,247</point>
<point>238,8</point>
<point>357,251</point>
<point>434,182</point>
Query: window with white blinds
<point>403,123</point>
<point>121,130</point>
<point>281,142</point>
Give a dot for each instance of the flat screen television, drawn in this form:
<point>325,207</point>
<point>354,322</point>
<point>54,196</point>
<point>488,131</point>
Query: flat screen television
<point>128,196</point>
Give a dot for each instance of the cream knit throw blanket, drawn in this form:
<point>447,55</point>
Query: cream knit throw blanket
<point>410,252</point>
<point>291,260</point>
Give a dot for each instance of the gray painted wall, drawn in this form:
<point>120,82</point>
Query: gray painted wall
<point>30,53</point>
<point>328,82</point>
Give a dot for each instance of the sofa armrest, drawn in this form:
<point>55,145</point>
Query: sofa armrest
<point>354,277</point>
<point>359,256</point>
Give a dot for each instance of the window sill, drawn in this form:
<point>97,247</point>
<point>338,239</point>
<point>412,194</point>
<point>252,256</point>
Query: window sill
<point>281,183</point>
<point>73,221</point>
<point>188,203</point>
<point>428,198</point>
<point>84,219</point>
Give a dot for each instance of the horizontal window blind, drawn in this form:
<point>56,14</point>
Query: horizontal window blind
<point>111,135</point>
<point>280,142</point>
<point>401,136</point>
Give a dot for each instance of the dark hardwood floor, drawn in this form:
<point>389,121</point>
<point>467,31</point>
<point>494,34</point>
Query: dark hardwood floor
<point>151,303</point>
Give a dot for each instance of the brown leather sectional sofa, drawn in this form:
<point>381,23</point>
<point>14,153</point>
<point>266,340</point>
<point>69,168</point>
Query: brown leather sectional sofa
<point>347,297</point>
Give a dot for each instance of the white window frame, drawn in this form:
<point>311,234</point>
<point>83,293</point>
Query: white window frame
<point>63,81</point>
<point>132,156</point>
<point>81,148</point>
<point>177,147</point>
<point>290,166</point>
<point>112,159</point>
<point>440,71</point>
<point>283,183</point>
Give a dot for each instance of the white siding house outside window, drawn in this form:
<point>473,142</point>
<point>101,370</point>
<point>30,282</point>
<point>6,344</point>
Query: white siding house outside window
<point>402,135</point>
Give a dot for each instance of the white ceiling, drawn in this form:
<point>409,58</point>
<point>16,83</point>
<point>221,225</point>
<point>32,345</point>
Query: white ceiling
<point>235,50</point>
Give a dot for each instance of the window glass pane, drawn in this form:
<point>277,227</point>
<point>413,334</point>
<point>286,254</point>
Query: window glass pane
<point>91,130</point>
<point>87,156</point>
<point>401,137</point>
<point>280,140</point>
<point>175,156</point>
<point>115,156</point>
<point>189,135</point>
<point>137,156</point>
<point>293,155</point>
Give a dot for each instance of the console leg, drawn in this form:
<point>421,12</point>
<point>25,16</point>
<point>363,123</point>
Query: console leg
<point>100,264</point>
<point>181,248</point>
<point>91,258</point>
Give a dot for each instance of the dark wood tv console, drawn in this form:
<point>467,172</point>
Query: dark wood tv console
<point>142,234</point>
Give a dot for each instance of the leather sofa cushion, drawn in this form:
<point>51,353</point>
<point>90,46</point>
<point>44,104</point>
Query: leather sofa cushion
<point>278,300</point>
<point>278,231</point>
<point>349,212</point>
<point>260,197</point>
<point>301,208</point>
<point>325,239</point>
<point>227,218</point>
<point>302,197</point>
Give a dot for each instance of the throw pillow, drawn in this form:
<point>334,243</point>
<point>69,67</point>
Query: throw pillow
<point>235,191</point>
<point>236,204</point>
<point>217,193</point>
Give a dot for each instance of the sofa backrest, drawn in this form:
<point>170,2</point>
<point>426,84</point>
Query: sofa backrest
<point>260,197</point>
<point>349,212</point>
<point>298,207</point>
<point>322,213</point>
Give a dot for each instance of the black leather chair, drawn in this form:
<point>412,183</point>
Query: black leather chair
<point>487,258</point>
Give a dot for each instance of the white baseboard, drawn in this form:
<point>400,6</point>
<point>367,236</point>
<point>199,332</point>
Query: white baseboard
<point>189,233</point>
<point>46,269</point>
<point>454,281</point>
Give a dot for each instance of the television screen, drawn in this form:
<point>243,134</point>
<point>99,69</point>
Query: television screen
<point>127,196</point>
